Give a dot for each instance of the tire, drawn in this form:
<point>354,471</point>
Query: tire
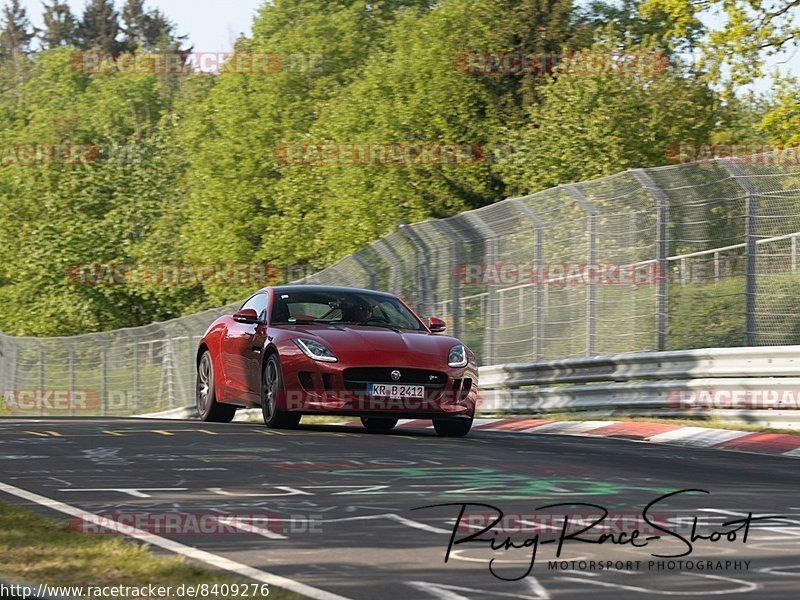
<point>378,423</point>
<point>452,427</point>
<point>271,397</point>
<point>205,396</point>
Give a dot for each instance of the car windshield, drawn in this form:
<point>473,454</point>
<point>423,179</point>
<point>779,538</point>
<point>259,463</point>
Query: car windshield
<point>353,308</point>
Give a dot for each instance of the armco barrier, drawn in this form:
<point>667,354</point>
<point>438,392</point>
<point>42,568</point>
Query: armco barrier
<point>751,384</point>
<point>756,385</point>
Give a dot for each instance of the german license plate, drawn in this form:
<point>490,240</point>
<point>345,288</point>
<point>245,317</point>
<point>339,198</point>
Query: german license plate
<point>395,390</point>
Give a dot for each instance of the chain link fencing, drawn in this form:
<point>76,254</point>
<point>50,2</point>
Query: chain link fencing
<point>688,256</point>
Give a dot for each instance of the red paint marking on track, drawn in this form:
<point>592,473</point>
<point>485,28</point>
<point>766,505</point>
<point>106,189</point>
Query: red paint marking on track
<point>637,431</point>
<point>516,424</point>
<point>772,443</point>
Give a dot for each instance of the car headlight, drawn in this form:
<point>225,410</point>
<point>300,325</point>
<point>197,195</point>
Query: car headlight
<point>457,357</point>
<point>315,350</point>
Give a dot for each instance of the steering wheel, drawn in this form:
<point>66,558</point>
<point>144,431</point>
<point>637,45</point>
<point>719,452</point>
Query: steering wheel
<point>376,319</point>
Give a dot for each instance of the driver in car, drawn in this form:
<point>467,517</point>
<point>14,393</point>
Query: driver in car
<point>357,313</point>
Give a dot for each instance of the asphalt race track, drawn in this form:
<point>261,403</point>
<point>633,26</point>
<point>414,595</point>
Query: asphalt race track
<point>331,506</point>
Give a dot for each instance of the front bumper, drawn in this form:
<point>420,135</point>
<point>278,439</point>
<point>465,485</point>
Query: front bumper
<point>331,388</point>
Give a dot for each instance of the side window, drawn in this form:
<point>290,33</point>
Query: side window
<point>259,304</point>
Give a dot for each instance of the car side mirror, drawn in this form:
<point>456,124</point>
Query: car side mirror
<point>247,315</point>
<point>436,325</point>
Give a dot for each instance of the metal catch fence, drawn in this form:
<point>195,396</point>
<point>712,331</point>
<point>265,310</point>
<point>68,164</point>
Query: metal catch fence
<point>687,256</point>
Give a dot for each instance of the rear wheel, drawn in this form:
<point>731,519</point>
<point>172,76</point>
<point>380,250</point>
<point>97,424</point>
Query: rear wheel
<point>452,427</point>
<point>272,395</point>
<point>378,423</point>
<point>207,406</point>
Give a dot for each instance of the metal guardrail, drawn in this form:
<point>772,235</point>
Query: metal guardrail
<point>754,385</point>
<point>750,384</point>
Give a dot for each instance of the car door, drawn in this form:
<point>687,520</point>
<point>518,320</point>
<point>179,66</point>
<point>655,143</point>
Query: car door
<point>243,344</point>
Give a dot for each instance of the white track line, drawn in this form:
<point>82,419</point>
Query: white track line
<point>209,558</point>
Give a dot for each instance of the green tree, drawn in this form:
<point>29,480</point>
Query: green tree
<point>782,122</point>
<point>148,29</point>
<point>16,33</point>
<point>60,26</point>
<point>751,31</point>
<point>591,125</point>
<point>99,27</point>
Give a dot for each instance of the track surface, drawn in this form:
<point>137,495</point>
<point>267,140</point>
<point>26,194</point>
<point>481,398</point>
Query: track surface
<point>355,490</point>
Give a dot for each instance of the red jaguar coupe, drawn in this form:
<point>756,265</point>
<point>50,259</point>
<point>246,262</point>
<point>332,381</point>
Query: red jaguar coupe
<point>319,350</point>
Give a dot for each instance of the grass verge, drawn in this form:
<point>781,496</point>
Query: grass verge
<point>40,550</point>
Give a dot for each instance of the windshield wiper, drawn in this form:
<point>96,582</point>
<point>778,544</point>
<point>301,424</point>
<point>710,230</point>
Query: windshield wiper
<point>394,328</point>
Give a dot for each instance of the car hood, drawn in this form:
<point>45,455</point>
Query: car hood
<point>379,345</point>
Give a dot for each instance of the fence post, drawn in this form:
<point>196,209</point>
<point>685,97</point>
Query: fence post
<point>42,382</point>
<point>383,250</point>
<point>424,306</point>
<point>103,375</point>
<point>538,288</point>
<point>662,254</point>
<point>751,249</point>
<point>367,269</point>
<point>137,392</point>
<point>340,277</point>
<point>591,295</point>
<point>5,367</point>
<point>491,311</point>
<point>445,229</point>
<point>72,376</point>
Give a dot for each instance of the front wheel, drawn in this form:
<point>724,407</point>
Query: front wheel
<point>207,406</point>
<point>378,423</point>
<point>272,394</point>
<point>452,427</point>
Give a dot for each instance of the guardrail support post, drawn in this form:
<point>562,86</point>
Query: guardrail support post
<point>662,254</point>
<point>591,292</point>
<point>538,288</point>
<point>751,249</point>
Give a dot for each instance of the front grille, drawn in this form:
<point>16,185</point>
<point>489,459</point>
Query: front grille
<point>356,378</point>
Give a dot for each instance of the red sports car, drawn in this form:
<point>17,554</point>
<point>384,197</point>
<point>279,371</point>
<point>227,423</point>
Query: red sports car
<point>319,350</point>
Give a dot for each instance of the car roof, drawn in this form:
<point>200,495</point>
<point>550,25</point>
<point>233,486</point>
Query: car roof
<point>293,289</point>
